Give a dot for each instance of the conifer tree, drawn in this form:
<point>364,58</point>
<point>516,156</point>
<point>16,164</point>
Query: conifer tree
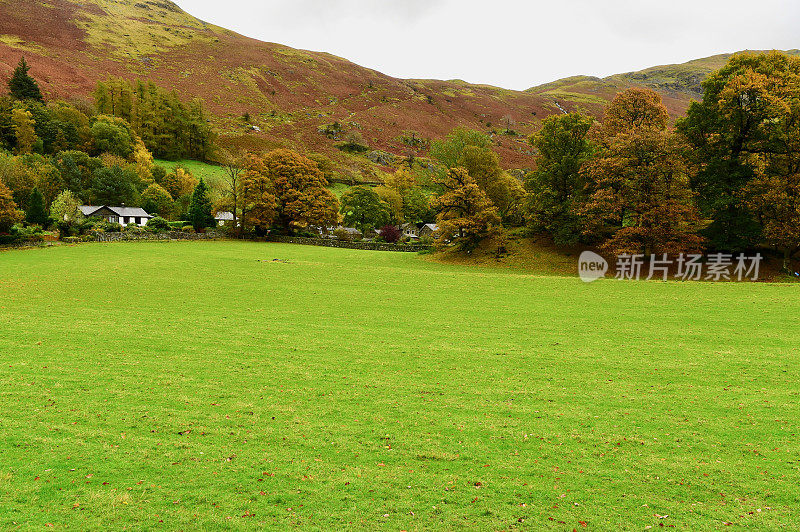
<point>36,215</point>
<point>22,86</point>
<point>200,208</point>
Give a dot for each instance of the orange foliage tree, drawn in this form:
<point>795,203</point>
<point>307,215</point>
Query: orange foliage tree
<point>635,108</point>
<point>300,190</point>
<point>9,214</point>
<point>466,214</point>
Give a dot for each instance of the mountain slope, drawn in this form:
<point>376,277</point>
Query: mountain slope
<point>288,93</point>
<point>678,84</point>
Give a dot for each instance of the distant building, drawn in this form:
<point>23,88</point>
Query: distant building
<point>224,218</point>
<point>428,230</point>
<point>410,231</point>
<point>119,215</point>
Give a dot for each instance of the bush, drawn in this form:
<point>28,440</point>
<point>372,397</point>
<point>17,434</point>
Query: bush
<point>187,229</point>
<point>342,235</point>
<point>179,225</point>
<point>158,224</point>
<point>134,228</point>
<point>71,239</point>
<point>106,227</point>
<point>390,234</point>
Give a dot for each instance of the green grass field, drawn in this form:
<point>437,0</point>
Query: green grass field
<point>206,386</point>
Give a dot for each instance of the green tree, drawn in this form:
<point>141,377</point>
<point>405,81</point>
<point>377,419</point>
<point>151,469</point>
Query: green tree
<point>556,186</point>
<point>200,214</point>
<point>449,151</point>
<point>112,135</point>
<point>156,200</point>
<point>65,208</point>
<point>37,212</point>
<point>363,209</point>
<point>22,86</point>
<point>746,119</point>
<point>114,186</point>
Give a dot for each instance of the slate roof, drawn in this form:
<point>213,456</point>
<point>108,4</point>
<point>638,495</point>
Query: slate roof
<point>131,212</point>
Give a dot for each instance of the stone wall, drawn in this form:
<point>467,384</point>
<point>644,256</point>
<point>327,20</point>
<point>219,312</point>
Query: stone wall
<point>332,243</point>
<point>168,235</point>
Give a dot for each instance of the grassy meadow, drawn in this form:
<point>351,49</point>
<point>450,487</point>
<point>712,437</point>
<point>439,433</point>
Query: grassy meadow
<point>233,385</point>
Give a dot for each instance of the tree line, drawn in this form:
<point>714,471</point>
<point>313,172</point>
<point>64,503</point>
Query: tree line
<point>726,178</point>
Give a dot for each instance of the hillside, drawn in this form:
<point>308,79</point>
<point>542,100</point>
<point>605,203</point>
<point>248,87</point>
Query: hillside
<point>287,93</point>
<point>678,84</point>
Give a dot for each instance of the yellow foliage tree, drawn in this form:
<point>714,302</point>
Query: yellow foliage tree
<point>23,123</point>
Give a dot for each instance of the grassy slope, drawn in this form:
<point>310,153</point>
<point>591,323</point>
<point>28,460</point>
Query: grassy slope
<point>215,175</point>
<point>385,391</point>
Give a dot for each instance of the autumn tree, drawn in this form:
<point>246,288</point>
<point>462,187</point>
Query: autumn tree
<point>300,191</point>
<point>37,212</point>
<point>747,119</point>
<point>505,191</point>
<point>466,215</point>
<point>200,214</point>
<point>775,201</point>
<point>9,213</point>
<point>24,130</point>
<point>639,197</point>
<point>180,182</point>
<point>557,185</point>
<point>363,209</point>
<point>259,204</point>
<point>22,86</point>
<point>635,108</point>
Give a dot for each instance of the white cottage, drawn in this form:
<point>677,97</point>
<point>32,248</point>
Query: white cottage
<point>120,215</point>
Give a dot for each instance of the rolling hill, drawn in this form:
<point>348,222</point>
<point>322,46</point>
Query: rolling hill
<point>678,84</point>
<point>287,93</point>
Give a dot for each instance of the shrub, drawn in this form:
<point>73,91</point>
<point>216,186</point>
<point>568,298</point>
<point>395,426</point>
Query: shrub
<point>342,235</point>
<point>187,229</point>
<point>158,224</point>
<point>106,227</point>
<point>390,234</point>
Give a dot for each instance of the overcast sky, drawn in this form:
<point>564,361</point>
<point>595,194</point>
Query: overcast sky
<point>511,43</point>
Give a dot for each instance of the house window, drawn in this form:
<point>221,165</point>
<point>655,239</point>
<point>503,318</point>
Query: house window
<point>138,220</point>
<point>125,220</point>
